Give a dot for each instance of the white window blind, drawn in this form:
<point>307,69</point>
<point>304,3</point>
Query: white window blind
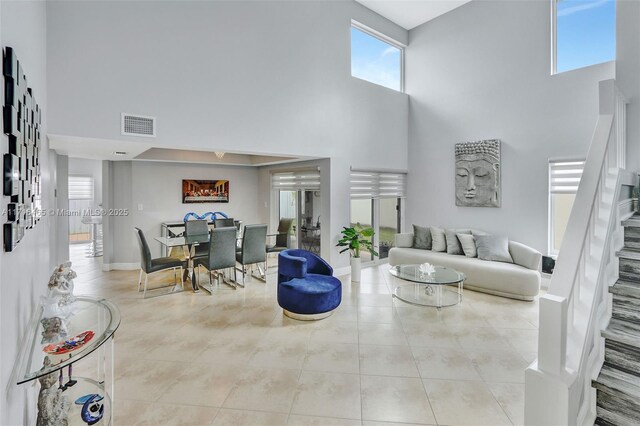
<point>303,180</point>
<point>370,184</point>
<point>80,187</point>
<point>564,176</point>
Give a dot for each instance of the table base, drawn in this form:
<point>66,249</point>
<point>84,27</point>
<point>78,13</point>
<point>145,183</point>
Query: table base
<point>437,296</point>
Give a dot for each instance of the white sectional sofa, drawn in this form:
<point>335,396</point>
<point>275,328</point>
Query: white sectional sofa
<point>518,280</point>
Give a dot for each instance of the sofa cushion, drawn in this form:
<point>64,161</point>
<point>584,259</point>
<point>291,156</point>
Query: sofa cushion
<point>468,243</point>
<point>493,247</point>
<point>439,241</point>
<point>453,244</point>
<point>499,278</point>
<point>404,240</point>
<point>421,237</point>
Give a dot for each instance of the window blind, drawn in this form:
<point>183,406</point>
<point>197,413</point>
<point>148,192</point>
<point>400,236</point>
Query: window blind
<point>370,184</point>
<point>564,176</point>
<point>80,187</point>
<point>304,180</point>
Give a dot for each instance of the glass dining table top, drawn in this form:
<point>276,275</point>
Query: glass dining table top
<point>185,240</point>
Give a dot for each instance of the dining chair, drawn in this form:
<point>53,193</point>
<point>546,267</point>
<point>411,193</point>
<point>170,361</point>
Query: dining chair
<point>253,248</point>
<point>223,223</point>
<point>148,265</point>
<point>221,254</point>
<point>283,238</point>
<point>197,227</point>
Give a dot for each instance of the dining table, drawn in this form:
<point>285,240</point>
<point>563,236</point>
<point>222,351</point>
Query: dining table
<point>190,242</point>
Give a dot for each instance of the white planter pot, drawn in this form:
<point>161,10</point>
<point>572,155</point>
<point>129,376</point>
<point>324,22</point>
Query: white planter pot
<point>356,267</point>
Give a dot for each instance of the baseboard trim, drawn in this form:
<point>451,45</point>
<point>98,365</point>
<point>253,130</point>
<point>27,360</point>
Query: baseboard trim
<point>120,266</point>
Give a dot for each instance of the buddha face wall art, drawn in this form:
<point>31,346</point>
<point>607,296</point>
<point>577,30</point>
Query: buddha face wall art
<point>478,173</point>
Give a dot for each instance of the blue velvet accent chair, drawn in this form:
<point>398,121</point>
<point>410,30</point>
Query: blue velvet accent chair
<point>307,289</point>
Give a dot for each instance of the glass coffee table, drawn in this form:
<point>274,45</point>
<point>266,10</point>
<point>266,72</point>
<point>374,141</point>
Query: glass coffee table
<point>436,286</point>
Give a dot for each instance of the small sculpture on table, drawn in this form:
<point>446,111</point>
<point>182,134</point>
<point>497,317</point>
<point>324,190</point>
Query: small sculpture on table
<point>53,406</point>
<point>58,305</point>
<point>54,329</point>
<point>61,284</point>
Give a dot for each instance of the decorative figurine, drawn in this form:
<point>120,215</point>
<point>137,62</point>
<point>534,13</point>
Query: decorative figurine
<point>54,329</point>
<point>53,406</point>
<point>61,284</point>
<point>92,408</point>
<point>59,302</point>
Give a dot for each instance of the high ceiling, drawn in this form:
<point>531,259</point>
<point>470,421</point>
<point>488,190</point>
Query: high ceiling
<point>411,13</point>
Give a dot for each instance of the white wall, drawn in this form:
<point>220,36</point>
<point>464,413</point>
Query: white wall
<point>24,272</point>
<point>628,74</point>
<point>264,77</point>
<point>158,187</point>
<point>482,71</point>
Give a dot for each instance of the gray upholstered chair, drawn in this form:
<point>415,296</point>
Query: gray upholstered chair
<point>149,265</point>
<point>223,223</point>
<point>253,249</point>
<point>221,254</point>
<point>283,237</point>
<point>197,227</point>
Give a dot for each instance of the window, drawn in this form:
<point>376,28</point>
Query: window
<point>376,58</point>
<point>564,179</point>
<point>376,201</point>
<point>80,187</point>
<point>584,33</point>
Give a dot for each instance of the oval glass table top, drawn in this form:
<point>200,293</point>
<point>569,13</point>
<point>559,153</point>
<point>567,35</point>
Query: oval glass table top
<point>436,275</point>
<point>92,323</point>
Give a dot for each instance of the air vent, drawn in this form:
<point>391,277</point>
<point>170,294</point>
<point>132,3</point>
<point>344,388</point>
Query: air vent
<point>138,125</point>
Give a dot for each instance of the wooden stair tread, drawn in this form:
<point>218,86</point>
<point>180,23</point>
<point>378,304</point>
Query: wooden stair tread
<point>633,221</point>
<point>625,288</point>
<point>611,379</point>
<point>629,253</point>
<point>620,331</point>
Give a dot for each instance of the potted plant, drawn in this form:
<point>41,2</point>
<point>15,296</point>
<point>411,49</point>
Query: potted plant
<point>356,239</point>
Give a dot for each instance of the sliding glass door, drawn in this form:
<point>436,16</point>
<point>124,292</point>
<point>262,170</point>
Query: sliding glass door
<point>376,201</point>
<point>299,198</point>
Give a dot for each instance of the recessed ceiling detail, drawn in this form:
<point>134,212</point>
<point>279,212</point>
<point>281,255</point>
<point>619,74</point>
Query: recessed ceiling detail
<point>411,13</point>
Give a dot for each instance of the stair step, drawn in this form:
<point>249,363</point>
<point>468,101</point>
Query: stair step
<point>629,270</point>
<point>632,222</point>
<point>619,384</point>
<point>622,347</point>
<point>607,418</point>
<point>626,308</point>
<point>627,253</point>
<point>625,288</point>
<point>632,237</point>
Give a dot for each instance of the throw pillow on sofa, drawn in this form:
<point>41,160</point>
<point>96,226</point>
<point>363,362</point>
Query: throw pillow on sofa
<point>421,237</point>
<point>453,244</point>
<point>493,247</point>
<point>438,239</point>
<point>468,243</point>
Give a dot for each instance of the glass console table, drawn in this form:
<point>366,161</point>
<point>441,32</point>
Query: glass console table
<point>97,316</point>
<point>435,286</point>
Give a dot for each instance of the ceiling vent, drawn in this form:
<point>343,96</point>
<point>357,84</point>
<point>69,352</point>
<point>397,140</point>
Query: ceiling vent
<point>138,125</point>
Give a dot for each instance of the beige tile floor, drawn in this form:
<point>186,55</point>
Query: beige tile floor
<point>233,359</point>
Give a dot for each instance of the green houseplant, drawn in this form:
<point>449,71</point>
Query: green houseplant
<point>355,239</point>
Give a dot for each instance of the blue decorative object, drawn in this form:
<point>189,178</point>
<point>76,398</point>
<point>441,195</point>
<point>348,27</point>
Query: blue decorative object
<point>212,215</point>
<point>92,408</point>
<point>307,289</point>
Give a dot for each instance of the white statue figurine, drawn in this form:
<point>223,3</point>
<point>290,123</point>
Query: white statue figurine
<point>61,284</point>
<point>53,406</point>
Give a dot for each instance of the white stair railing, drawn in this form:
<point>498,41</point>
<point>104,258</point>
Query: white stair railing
<point>575,309</point>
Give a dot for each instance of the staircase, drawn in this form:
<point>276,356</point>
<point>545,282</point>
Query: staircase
<point>583,375</point>
<point>618,384</point>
